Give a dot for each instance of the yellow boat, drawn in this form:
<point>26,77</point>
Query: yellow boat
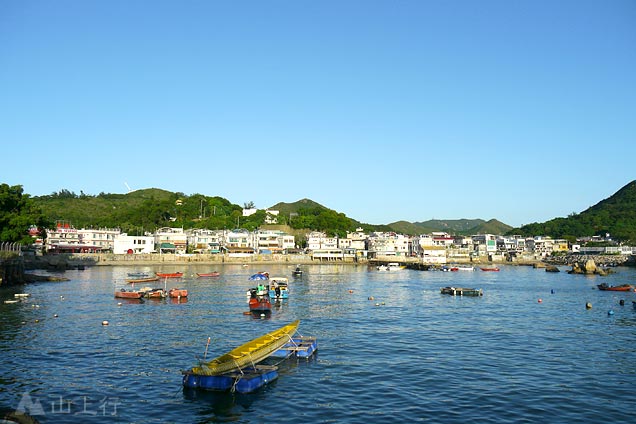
<point>248,354</point>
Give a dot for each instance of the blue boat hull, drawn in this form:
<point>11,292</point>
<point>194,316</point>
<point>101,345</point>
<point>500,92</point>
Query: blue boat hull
<point>248,381</point>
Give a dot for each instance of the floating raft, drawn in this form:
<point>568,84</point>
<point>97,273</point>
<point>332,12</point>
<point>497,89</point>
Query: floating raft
<point>246,380</point>
<point>461,291</point>
<point>300,346</point>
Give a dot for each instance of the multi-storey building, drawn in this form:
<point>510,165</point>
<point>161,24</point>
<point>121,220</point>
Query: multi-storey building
<point>171,240</point>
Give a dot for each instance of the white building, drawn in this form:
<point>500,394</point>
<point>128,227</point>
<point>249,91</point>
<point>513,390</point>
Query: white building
<point>273,241</point>
<point>129,245</point>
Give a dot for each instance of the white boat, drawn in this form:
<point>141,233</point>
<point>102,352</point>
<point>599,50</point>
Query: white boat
<point>391,266</point>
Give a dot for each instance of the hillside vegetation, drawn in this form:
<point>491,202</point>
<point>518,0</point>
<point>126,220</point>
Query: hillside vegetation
<point>615,215</point>
<point>149,209</point>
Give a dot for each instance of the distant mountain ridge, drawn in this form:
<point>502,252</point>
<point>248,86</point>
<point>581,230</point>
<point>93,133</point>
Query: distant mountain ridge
<point>451,226</point>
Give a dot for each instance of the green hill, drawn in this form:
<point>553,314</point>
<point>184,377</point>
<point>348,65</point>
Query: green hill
<point>615,215</point>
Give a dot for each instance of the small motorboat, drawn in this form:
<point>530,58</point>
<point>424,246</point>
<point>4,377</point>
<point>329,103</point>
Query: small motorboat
<point>622,288</point>
<point>494,269</point>
<point>297,272</point>
<point>138,275</point>
<point>279,288</point>
<point>208,274</point>
<point>258,300</point>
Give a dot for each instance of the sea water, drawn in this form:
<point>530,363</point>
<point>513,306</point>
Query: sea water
<point>391,348</point>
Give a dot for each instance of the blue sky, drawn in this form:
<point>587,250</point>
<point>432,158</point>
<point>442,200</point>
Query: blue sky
<point>521,111</point>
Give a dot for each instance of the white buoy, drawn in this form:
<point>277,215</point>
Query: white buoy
<point>104,322</point>
<point>119,304</point>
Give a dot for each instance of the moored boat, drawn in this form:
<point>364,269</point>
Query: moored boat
<point>142,280</point>
<point>623,288</point>
<point>150,293</point>
<point>250,353</point>
<point>172,293</point>
<point>138,275</point>
<point>169,274</point>
<point>208,274</point>
<point>461,291</point>
<point>129,294</point>
<point>391,266</point>
<point>462,268</point>
<point>495,269</point>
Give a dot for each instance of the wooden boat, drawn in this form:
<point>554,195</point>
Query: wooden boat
<point>245,380</point>
<point>142,280</point>
<point>208,274</point>
<point>170,274</point>
<point>250,353</point>
<point>623,288</point>
<point>461,291</point>
<point>177,293</point>
<point>129,294</point>
<point>495,269</point>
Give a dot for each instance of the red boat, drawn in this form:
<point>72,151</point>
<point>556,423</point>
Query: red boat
<point>259,301</point>
<point>495,269</point>
<point>208,274</point>
<point>129,294</point>
<point>177,293</point>
<point>623,288</point>
<point>169,275</point>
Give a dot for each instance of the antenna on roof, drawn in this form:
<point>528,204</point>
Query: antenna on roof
<point>127,186</point>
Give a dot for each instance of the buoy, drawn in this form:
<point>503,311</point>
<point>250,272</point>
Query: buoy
<point>54,315</point>
<point>552,291</point>
<point>539,301</point>
<point>350,291</point>
<point>104,322</point>
<point>37,320</point>
<point>119,303</point>
<point>610,312</point>
<point>588,305</point>
<point>377,304</point>
<point>621,302</point>
<point>370,297</point>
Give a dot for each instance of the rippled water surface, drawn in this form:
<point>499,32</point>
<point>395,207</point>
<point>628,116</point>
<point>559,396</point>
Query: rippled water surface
<point>391,348</point>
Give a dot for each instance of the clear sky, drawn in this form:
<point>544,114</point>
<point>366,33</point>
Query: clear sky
<point>389,110</point>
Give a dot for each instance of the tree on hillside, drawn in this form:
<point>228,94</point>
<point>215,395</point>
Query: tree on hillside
<point>18,214</point>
